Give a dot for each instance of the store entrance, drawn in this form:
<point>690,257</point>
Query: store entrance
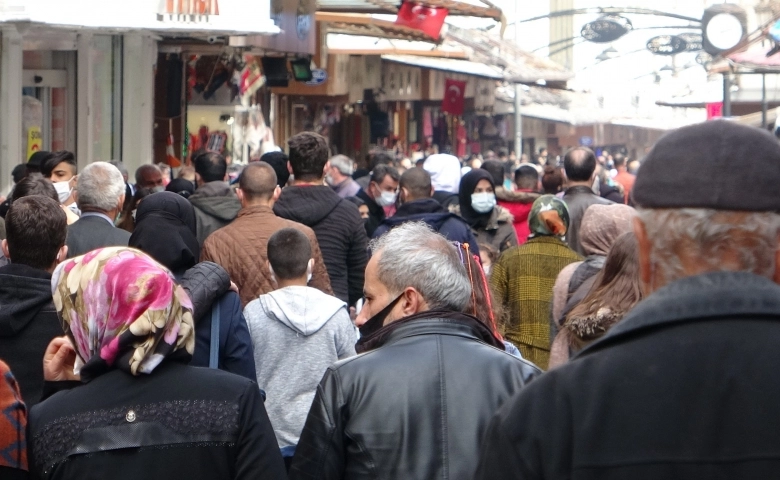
<point>45,110</point>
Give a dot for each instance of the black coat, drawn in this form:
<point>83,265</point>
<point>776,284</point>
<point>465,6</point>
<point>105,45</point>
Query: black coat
<point>28,322</point>
<point>684,387</point>
<point>414,408</point>
<point>428,210</point>
<point>578,199</point>
<point>339,230</point>
<point>375,212</point>
<point>91,232</point>
<point>177,422</point>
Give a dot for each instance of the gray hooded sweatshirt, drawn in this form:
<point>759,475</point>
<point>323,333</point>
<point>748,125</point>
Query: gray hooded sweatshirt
<point>297,333</point>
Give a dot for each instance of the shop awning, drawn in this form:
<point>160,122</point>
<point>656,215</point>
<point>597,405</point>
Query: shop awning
<point>470,8</point>
<point>448,65</point>
<point>361,45</point>
<point>369,26</point>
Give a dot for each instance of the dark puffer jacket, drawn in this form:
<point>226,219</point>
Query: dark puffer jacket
<point>339,230</point>
<point>416,407</point>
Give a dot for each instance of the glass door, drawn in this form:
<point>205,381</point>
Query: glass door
<point>45,110</point>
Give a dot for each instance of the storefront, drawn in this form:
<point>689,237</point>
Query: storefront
<point>81,77</point>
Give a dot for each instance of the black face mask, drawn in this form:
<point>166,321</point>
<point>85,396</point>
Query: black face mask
<point>377,321</point>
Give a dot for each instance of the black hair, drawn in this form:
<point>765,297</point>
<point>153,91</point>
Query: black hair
<point>289,252</point>
<point>579,163</point>
<point>36,228</point>
<point>211,166</point>
<point>527,177</point>
<point>257,181</point>
<point>35,184</point>
<point>619,159</point>
<point>308,155</point>
<point>19,172</point>
<point>418,182</point>
<point>278,161</point>
<point>496,169</point>
<point>379,173</point>
<point>48,166</point>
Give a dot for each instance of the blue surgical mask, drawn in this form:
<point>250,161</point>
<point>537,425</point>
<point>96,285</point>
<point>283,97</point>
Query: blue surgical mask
<point>483,202</point>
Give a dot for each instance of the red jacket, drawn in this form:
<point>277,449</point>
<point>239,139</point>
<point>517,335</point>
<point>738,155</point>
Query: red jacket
<point>519,204</point>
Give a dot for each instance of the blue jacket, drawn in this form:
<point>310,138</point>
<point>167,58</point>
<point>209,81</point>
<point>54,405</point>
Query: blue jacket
<point>428,210</point>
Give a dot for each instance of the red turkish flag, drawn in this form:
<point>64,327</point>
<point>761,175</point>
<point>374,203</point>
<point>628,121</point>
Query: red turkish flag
<point>429,20</point>
<point>454,97</point>
<point>714,110</point>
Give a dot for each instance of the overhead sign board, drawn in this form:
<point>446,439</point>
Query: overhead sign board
<point>606,29</point>
<point>667,45</point>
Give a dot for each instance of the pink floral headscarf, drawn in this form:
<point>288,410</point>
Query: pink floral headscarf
<point>122,310</point>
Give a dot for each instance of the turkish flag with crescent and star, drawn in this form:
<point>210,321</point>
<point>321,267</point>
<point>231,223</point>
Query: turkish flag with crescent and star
<point>428,20</point>
<point>454,97</point>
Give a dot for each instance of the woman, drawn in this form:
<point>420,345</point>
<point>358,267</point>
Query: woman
<point>165,229</point>
<point>127,218</point>
<point>523,277</point>
<point>601,226</point>
<point>13,423</point>
<point>491,223</point>
<point>616,290</point>
<point>142,412</point>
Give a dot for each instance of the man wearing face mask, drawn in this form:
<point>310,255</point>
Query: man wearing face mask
<point>100,194</point>
<point>339,176</point>
<point>418,205</point>
<point>492,224</point>
<point>382,192</point>
<point>416,405</point>
<point>61,170</point>
<point>149,176</point>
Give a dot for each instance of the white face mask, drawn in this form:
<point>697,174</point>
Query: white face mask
<point>483,202</point>
<point>63,190</point>
<point>386,199</point>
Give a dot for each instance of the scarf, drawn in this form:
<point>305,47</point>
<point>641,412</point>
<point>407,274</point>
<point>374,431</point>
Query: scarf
<point>549,217</point>
<point>165,229</point>
<point>467,186</point>
<point>122,310</point>
<point>380,337</point>
<point>602,225</point>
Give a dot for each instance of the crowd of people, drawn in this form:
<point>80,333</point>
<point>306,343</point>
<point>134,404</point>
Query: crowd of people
<point>305,319</point>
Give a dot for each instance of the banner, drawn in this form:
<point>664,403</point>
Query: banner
<point>428,20</point>
<point>454,97</point>
<point>34,140</point>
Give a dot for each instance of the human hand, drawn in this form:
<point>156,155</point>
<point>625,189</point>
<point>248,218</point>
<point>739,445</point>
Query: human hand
<point>59,361</point>
<point>234,287</point>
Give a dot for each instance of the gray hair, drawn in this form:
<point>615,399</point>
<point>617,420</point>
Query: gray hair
<point>343,164</point>
<point>99,187</point>
<point>715,240</point>
<point>413,255</point>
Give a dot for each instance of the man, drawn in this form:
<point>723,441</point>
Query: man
<point>240,247</point>
<point>36,161</point>
<point>415,406</point>
<point>36,229</point>
<point>149,176</point>
<point>100,194</point>
<point>381,192</point>
<point>579,164</point>
<point>418,205</point>
<point>61,170</point>
<point>681,387</point>
<point>623,177</point>
<point>280,163</point>
<point>517,202</point>
<point>215,203</point>
<point>336,222</point>
<point>339,176</point>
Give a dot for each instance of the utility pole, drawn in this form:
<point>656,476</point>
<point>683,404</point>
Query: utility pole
<point>518,92</point>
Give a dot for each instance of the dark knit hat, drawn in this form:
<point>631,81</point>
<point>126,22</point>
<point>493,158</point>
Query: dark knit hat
<point>719,165</point>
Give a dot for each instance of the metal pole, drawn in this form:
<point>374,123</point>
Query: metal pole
<point>764,103</point>
<point>727,94</point>
<point>518,93</point>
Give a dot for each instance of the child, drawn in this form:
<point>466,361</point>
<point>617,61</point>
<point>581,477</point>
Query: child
<point>297,333</point>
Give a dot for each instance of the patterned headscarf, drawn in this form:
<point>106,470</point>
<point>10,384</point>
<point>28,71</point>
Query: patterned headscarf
<point>602,225</point>
<point>549,216</point>
<point>122,310</point>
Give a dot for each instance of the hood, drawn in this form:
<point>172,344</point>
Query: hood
<point>303,309</point>
<point>515,196</point>
<point>445,172</point>
<point>306,204</point>
<point>427,210</point>
<point>24,291</point>
<point>217,200</point>
<point>424,205</point>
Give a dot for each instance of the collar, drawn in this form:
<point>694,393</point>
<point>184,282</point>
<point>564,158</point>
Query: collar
<point>21,270</point>
<point>579,189</point>
<point>99,215</point>
<point>423,205</point>
<point>256,210</point>
<point>708,296</point>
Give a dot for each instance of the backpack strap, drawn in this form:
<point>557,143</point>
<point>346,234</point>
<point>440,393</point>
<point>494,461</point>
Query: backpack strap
<point>214,349</point>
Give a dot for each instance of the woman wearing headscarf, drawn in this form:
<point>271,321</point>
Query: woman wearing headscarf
<point>523,278</point>
<point>165,229</point>
<point>141,411</point>
<point>491,223</point>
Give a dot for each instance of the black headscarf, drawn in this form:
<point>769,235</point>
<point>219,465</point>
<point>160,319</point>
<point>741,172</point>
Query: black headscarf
<point>182,186</point>
<point>165,229</point>
<point>468,183</point>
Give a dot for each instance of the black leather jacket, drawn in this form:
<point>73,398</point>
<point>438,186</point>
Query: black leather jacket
<point>414,408</point>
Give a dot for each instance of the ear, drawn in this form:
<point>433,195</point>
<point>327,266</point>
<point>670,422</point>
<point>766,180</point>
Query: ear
<point>62,254</point>
<point>645,255</point>
<point>4,245</point>
<point>289,168</point>
<point>433,190</point>
<point>325,168</point>
<point>410,302</point>
<point>776,276</point>
<point>270,268</point>
<point>240,194</point>
<point>121,203</point>
<point>277,193</point>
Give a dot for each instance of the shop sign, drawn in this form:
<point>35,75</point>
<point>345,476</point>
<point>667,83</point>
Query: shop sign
<point>192,11</point>
<point>34,140</point>
<point>318,77</point>
<point>667,45</point>
<point>586,141</point>
<point>606,29</point>
<point>693,41</point>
